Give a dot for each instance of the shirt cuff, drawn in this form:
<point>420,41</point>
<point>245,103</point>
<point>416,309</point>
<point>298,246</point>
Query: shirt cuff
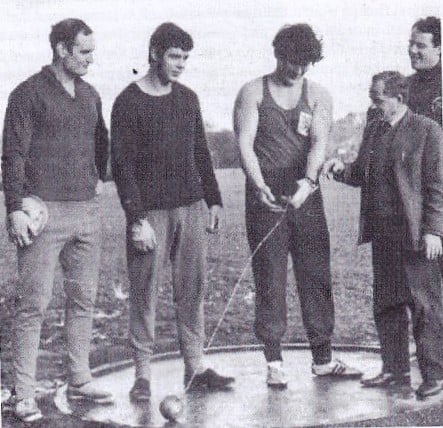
<point>14,205</point>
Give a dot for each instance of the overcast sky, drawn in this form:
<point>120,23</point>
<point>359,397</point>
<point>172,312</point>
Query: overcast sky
<point>232,43</point>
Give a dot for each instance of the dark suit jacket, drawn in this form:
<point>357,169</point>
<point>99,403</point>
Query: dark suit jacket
<point>418,168</point>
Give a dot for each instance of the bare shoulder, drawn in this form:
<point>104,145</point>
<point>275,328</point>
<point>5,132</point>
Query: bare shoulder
<point>318,95</point>
<point>251,91</point>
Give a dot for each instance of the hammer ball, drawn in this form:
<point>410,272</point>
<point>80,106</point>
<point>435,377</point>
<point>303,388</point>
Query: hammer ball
<point>171,408</point>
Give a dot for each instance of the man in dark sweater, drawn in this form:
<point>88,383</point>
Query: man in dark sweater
<point>55,147</point>
<point>425,96</point>
<point>164,175</point>
<point>425,92</point>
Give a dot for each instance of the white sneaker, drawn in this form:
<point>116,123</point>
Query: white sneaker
<point>276,375</point>
<point>27,410</point>
<point>336,368</point>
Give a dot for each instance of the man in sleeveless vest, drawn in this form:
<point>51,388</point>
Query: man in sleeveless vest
<point>282,122</point>
<point>165,178</point>
<point>55,147</point>
<point>400,170</point>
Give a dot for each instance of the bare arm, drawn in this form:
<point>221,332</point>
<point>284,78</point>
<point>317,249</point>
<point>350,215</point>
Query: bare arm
<point>245,128</point>
<point>319,132</point>
<point>320,128</point>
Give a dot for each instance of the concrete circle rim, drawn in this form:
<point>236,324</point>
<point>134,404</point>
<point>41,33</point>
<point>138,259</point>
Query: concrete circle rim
<point>107,368</point>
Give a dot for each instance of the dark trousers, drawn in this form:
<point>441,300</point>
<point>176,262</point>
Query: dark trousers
<point>406,279</point>
<point>304,235</point>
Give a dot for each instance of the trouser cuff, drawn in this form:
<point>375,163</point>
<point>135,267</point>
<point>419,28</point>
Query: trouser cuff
<point>142,368</point>
<point>80,378</point>
<point>194,365</point>
<point>273,352</point>
<point>321,354</point>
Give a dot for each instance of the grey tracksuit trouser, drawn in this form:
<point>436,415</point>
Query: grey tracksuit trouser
<point>181,238</point>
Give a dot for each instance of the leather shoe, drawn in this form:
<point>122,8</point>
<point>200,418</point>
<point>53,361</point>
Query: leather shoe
<point>209,379</point>
<point>384,380</point>
<point>429,387</point>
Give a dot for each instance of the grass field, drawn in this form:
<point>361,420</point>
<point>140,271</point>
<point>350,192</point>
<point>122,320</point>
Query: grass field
<point>351,275</point>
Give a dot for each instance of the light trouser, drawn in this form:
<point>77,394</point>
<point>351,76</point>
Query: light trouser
<point>303,233</point>
<point>71,236</point>
<point>181,238</point>
<point>405,279</point>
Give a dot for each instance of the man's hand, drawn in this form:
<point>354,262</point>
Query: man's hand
<point>18,225</point>
<point>99,188</point>
<point>143,236</point>
<point>332,167</point>
<point>300,196</point>
<point>214,218</point>
<point>266,197</point>
<point>432,246</point>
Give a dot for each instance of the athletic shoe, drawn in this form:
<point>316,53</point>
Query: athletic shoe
<point>209,379</point>
<point>336,368</point>
<point>385,379</point>
<point>89,392</point>
<point>276,377</point>
<point>141,391</point>
<point>27,410</point>
<point>429,387</point>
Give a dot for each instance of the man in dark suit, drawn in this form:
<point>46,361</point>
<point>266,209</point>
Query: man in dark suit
<point>400,170</point>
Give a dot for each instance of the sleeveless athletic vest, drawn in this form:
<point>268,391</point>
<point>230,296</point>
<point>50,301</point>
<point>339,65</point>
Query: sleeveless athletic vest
<point>282,141</point>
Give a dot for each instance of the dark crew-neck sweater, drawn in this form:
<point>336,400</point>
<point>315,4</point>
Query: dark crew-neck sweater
<point>54,146</point>
<point>159,152</point>
<point>425,93</point>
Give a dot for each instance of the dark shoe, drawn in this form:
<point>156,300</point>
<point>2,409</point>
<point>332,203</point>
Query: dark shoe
<point>384,380</point>
<point>209,379</point>
<point>429,387</point>
<point>141,391</point>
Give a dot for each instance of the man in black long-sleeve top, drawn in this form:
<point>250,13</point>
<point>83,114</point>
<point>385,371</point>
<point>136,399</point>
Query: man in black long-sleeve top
<point>55,148</point>
<point>425,96</point>
<point>164,176</point>
<point>425,91</point>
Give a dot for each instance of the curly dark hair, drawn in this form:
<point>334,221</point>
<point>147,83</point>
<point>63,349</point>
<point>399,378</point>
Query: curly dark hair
<point>298,44</point>
<point>66,31</point>
<point>168,35</point>
<point>431,24</point>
